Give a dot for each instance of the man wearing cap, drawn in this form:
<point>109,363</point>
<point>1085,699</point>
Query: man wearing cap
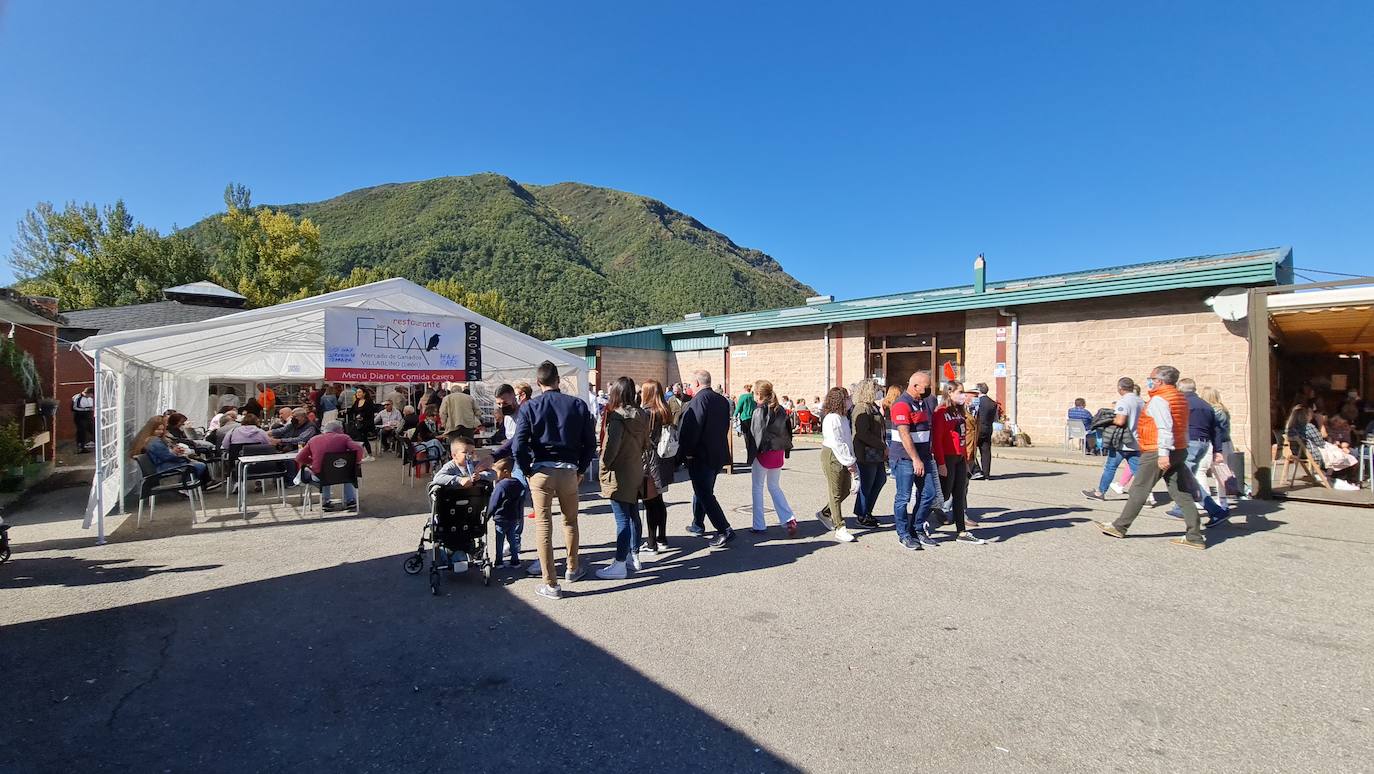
<point>987,413</point>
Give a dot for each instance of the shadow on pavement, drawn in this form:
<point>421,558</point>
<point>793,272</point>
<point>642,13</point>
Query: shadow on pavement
<point>71,571</point>
<point>347,668</point>
<point>1027,474</point>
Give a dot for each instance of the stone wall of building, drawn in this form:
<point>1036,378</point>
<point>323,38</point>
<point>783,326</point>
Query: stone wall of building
<point>793,359</point>
<point>638,364</point>
<point>681,365</point>
<point>980,347</point>
<point>1079,349</point>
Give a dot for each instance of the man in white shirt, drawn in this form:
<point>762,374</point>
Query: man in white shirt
<point>83,416</point>
<point>389,420</point>
<point>1126,414</point>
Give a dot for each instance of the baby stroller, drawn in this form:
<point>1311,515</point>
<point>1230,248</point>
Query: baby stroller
<point>457,533</point>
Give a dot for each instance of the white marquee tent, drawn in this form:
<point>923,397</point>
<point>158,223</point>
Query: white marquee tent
<point>142,373</point>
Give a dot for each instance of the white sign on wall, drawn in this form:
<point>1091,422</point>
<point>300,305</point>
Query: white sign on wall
<point>378,345</point>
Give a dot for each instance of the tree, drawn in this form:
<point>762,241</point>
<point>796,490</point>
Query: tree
<point>86,256</point>
<point>489,304</point>
<point>273,256</point>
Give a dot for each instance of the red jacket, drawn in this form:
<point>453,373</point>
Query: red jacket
<point>944,434</point>
<point>312,454</point>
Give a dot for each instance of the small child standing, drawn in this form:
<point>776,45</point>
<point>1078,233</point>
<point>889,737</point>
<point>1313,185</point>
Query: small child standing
<point>507,510</point>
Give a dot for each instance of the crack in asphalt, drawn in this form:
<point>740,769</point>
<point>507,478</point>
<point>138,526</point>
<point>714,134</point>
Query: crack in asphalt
<point>149,680</point>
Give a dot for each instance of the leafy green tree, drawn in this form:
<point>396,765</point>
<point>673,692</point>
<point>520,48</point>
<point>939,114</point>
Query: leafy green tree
<point>489,304</point>
<point>272,255</point>
<point>86,256</point>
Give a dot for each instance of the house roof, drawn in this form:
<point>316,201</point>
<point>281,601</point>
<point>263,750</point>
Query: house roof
<point>111,319</point>
<point>1266,266</point>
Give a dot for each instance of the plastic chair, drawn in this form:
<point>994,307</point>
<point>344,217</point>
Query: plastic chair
<point>1075,436</point>
<point>155,483</point>
<point>337,468</point>
<point>806,421</point>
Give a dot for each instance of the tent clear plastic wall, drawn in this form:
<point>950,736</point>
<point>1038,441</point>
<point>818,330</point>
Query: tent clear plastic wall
<point>145,372</point>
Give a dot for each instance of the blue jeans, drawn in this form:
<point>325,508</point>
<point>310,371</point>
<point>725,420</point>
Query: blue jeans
<point>509,532</point>
<point>872,477</point>
<point>350,492</point>
<point>627,528</point>
<point>1114,460</point>
<point>704,502</point>
<point>928,491</point>
<point>1197,451</point>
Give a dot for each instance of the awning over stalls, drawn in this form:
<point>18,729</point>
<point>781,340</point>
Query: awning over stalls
<point>141,373</point>
<point>1325,321</point>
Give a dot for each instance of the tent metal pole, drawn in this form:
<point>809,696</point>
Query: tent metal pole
<point>99,461</point>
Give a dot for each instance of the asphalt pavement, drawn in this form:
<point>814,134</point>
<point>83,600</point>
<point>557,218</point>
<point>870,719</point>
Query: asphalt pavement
<point>278,642</point>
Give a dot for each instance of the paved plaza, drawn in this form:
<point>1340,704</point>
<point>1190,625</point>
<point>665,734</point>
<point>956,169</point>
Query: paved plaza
<point>280,642</point>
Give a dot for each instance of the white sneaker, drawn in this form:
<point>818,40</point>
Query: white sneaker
<point>533,568</point>
<point>612,571</point>
<point>632,562</point>
<point>1344,485</point>
<point>369,458</point>
<point>1119,489</point>
<point>843,535</point>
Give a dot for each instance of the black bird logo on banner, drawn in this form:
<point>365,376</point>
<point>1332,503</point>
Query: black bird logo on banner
<point>433,342</point>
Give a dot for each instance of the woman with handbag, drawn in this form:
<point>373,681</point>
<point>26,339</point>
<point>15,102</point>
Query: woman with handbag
<point>870,448</point>
<point>771,429</point>
<point>625,434</point>
<point>951,436</point>
<point>658,472</point>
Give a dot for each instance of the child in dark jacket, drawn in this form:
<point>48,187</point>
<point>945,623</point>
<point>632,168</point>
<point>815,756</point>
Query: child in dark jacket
<point>507,510</point>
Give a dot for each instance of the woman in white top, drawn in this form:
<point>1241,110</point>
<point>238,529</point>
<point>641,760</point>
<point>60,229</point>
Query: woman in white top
<point>837,460</point>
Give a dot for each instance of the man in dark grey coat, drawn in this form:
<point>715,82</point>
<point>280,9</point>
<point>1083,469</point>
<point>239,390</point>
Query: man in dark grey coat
<point>703,443</point>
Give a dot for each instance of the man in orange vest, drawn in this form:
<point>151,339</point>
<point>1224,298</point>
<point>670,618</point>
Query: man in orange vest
<point>1163,434</point>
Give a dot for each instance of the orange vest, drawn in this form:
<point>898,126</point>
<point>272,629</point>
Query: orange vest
<point>1146,430</point>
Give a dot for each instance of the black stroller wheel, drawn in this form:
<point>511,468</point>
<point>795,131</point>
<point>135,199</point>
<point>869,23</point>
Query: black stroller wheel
<point>434,582</point>
<point>4,554</point>
<point>414,564</point>
<point>486,573</point>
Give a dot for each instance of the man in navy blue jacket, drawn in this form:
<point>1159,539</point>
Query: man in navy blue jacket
<point>555,438</point>
<point>704,444</point>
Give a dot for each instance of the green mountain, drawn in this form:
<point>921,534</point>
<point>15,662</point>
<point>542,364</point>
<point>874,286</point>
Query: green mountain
<point>568,258</point>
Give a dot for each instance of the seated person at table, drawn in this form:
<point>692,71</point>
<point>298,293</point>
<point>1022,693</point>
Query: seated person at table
<point>463,469</point>
<point>428,445</point>
<point>1080,413</point>
<point>409,419</point>
<point>282,418</point>
<point>297,432</point>
<point>227,422</point>
<point>152,441</point>
<point>246,433</point>
<point>389,421</point>
<point>1338,431</point>
<point>176,428</point>
<point>311,459</point>
<point>507,510</point>
<point>225,412</point>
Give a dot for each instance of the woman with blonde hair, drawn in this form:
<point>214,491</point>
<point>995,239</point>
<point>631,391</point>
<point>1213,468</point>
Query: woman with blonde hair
<point>870,449</point>
<point>1223,419</point>
<point>658,472</point>
<point>771,429</point>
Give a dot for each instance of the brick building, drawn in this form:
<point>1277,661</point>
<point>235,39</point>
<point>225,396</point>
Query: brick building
<point>30,323</point>
<point>1038,342</point>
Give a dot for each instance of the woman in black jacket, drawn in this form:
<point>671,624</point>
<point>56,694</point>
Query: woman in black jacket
<point>361,415</point>
<point>870,449</point>
<point>658,472</point>
<point>772,431</point>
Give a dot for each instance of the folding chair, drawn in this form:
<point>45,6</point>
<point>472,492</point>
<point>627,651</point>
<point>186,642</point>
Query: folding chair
<point>336,469</point>
<point>1075,436</point>
<point>155,483</point>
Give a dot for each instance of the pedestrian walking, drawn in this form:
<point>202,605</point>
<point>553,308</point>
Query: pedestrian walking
<point>770,430</point>
<point>870,450</point>
<point>913,463</point>
<point>1204,449</point>
<point>837,461</point>
<point>83,417</point>
<point>744,415</point>
<point>1120,439</point>
<point>1163,436</point>
<point>955,433</point>
<point>658,472</point>
<point>987,412</point>
<point>625,434</point>
<point>703,438</point>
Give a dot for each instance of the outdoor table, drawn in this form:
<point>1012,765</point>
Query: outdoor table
<point>250,459</point>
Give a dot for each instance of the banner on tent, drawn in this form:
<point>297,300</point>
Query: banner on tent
<point>375,345</point>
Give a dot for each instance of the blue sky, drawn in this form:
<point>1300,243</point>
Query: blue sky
<point>1050,136</point>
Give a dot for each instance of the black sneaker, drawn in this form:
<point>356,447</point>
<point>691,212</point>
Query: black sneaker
<point>823,516</point>
<point>694,529</point>
<point>911,544</point>
<point>866,521</point>
<point>1093,494</point>
<point>722,538</point>
<point>925,540</point>
<point>1217,521</point>
<point>214,485</point>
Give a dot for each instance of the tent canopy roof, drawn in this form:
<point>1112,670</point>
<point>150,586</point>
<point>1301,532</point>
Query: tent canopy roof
<point>286,341</point>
